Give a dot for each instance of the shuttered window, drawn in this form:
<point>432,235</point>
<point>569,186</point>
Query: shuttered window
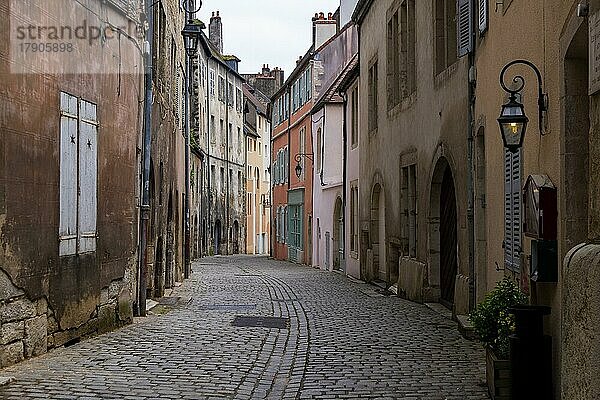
<point>512,210</point>
<point>483,16</point>
<point>464,28</point>
<point>78,176</point>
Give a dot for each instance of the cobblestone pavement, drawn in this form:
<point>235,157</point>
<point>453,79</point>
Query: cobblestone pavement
<point>343,340</point>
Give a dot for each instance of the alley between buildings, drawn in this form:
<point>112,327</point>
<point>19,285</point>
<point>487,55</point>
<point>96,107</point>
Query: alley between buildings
<point>340,339</point>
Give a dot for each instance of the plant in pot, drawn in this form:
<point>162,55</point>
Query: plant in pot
<point>493,324</point>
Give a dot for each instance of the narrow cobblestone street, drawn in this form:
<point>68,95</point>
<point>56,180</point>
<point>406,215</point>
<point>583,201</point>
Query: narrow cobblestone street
<point>344,340</point>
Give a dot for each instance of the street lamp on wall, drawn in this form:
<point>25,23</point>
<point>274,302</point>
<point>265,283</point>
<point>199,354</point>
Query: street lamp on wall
<point>191,36</point>
<point>298,158</point>
<point>513,120</point>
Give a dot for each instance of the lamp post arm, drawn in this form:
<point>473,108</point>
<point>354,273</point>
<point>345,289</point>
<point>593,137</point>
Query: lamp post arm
<point>298,157</point>
<point>188,5</point>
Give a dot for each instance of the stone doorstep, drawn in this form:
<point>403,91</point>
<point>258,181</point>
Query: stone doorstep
<point>465,327</point>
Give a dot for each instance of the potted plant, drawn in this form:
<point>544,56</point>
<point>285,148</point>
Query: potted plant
<point>493,324</point>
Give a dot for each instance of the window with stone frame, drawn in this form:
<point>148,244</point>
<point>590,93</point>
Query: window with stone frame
<point>354,219</point>
<point>354,111</point>
<point>212,82</point>
<point>408,215</point>
<point>221,89</point>
<point>445,34</point>
<point>408,48</point>
<point>373,100</point>
<point>393,61</point>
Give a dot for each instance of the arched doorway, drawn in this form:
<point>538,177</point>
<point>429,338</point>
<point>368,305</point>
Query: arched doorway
<point>338,235</point>
<point>378,233</point>
<point>217,237</point>
<point>443,251</point>
<point>236,237</point>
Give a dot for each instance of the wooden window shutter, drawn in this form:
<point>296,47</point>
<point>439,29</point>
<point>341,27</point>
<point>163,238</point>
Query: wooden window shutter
<point>67,231</point>
<point>88,177</point>
<point>512,210</point>
<point>464,26</point>
<point>516,208</point>
<point>483,16</point>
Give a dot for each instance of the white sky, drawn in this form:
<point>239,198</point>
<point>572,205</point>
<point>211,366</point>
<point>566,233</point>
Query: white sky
<point>273,32</point>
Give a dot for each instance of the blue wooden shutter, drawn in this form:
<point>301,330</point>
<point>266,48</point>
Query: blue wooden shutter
<point>516,208</point>
<point>88,177</point>
<point>464,29</point>
<point>67,231</point>
<point>512,210</point>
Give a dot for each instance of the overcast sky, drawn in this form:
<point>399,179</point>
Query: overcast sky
<point>273,32</point>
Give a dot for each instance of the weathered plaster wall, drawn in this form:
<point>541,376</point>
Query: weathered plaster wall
<point>430,124</point>
<point>47,300</point>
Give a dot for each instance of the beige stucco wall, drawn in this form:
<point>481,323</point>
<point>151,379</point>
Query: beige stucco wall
<point>549,33</point>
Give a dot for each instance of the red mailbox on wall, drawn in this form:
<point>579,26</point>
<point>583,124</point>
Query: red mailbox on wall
<point>540,214</point>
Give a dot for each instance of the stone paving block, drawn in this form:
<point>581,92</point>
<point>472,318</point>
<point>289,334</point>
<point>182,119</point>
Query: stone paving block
<point>340,343</point>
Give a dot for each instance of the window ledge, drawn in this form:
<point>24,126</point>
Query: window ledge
<point>442,77</point>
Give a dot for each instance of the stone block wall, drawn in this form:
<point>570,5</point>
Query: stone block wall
<point>29,328</point>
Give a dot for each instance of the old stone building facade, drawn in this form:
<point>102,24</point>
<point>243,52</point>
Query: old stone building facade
<point>268,81</point>
<point>413,197</point>
<point>70,125</point>
<point>167,168</point>
<point>336,58</point>
<point>257,128</point>
<point>218,213</point>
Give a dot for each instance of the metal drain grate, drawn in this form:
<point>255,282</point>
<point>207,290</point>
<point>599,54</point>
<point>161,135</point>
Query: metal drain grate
<point>261,322</point>
<point>228,307</point>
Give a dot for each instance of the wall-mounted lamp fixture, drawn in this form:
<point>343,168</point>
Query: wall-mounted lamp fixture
<point>512,120</point>
<point>298,158</point>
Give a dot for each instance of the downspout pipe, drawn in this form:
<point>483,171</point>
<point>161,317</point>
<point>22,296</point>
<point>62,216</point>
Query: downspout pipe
<point>345,171</point>
<point>208,162</point>
<point>470,177</point>
<point>186,238</point>
<point>147,148</point>
<point>227,155</point>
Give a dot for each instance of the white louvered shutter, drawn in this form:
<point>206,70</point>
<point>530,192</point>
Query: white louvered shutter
<point>67,231</point>
<point>483,16</point>
<point>88,177</point>
<point>464,26</point>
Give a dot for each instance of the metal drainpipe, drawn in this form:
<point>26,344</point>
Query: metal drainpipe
<point>345,172</point>
<point>208,164</point>
<point>147,148</point>
<point>186,238</point>
<point>227,211</point>
<point>470,179</point>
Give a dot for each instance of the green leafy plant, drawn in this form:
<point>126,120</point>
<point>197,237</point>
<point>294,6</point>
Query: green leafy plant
<point>491,319</point>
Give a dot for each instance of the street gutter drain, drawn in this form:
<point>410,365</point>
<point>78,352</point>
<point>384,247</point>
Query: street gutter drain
<point>228,307</point>
<point>261,322</point>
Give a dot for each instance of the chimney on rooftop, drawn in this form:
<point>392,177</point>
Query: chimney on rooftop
<point>215,31</point>
<point>323,28</point>
<point>266,71</point>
